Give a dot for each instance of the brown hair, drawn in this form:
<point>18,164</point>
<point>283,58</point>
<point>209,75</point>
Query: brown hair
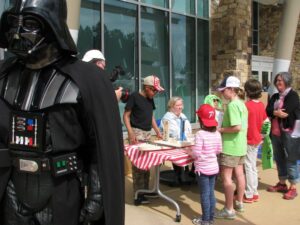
<point>209,129</point>
<point>240,92</point>
<point>253,89</point>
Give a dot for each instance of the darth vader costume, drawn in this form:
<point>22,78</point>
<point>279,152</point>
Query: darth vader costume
<point>61,148</point>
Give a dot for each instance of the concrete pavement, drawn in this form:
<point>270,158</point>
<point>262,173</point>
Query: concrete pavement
<point>270,210</point>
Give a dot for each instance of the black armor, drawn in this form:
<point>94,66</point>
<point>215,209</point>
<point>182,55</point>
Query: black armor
<point>53,145</point>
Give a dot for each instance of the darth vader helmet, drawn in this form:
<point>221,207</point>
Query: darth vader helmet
<point>31,24</point>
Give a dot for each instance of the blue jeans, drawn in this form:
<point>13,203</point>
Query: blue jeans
<point>206,186</point>
<point>286,169</point>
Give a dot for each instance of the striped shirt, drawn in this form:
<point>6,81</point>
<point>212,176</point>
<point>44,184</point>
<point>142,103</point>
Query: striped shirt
<point>207,146</point>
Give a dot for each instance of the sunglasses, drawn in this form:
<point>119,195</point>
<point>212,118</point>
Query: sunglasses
<point>152,89</point>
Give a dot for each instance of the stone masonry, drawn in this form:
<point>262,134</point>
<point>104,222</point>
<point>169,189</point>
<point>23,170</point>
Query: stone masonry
<point>230,39</point>
<point>231,36</point>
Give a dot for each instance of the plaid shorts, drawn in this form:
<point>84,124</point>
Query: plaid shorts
<point>142,134</point>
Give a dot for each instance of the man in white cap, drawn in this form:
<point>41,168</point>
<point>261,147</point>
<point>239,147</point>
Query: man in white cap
<point>96,57</point>
<point>139,120</point>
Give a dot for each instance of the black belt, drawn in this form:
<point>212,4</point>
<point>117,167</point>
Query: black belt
<point>58,165</point>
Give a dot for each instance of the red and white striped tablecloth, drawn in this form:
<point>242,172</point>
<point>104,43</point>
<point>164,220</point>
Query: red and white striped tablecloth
<point>146,159</point>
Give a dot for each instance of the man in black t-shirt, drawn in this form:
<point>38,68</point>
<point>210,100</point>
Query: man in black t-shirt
<point>138,118</point>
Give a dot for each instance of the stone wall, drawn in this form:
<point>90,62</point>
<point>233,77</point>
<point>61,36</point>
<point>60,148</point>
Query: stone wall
<point>269,21</point>
<point>230,39</point>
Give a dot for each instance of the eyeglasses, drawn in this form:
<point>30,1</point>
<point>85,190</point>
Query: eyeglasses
<point>152,89</point>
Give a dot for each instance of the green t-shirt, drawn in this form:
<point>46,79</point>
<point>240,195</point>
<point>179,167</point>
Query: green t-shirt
<point>235,144</point>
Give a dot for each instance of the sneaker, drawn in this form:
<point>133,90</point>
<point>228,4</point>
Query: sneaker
<point>151,195</point>
<point>255,198</point>
<point>248,200</point>
<point>291,194</point>
<point>197,221</point>
<point>141,200</point>
<point>225,214</point>
<point>239,206</point>
<point>278,188</point>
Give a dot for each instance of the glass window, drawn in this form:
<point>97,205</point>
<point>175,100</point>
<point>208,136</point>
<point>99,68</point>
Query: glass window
<point>120,45</point>
<point>4,4</point>
<point>183,62</point>
<point>255,75</point>
<point>155,52</point>
<point>1,11</point>
<point>265,80</point>
<point>255,49</point>
<point>142,46</point>
<point>203,60</point>
<point>89,36</point>
<point>161,3</point>
<point>183,6</point>
<point>203,10</point>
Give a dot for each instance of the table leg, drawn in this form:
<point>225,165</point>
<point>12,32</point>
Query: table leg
<point>156,189</point>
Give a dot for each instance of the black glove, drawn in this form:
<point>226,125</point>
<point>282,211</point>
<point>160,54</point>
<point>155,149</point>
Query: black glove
<point>92,209</point>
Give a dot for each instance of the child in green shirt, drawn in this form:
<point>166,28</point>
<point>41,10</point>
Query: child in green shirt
<point>234,139</point>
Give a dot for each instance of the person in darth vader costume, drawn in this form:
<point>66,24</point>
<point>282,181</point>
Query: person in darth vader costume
<point>61,147</point>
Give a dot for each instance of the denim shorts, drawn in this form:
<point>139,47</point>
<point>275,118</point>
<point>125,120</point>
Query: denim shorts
<point>231,161</point>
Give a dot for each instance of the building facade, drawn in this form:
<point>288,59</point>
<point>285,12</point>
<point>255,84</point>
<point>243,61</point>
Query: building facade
<point>247,37</point>
<point>189,44</point>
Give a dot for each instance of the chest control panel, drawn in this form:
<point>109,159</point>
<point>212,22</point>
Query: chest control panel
<point>65,164</point>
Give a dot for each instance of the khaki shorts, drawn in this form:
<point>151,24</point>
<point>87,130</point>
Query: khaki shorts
<point>231,161</point>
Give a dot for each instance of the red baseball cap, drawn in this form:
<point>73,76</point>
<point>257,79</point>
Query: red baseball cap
<point>207,114</point>
<point>153,81</point>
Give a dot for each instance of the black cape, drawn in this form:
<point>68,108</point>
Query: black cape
<point>101,105</point>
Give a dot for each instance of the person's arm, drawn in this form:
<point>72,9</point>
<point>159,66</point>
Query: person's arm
<point>118,93</point>
<point>93,205</point>
<point>270,106</point>
<point>280,113</point>
<point>232,129</point>
<point>131,136</point>
<point>155,127</point>
<point>219,147</point>
<point>291,102</point>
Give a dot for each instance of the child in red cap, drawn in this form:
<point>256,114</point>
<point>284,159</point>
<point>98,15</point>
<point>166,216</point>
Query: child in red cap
<point>208,144</point>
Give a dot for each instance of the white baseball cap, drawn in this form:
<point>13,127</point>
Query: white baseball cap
<point>153,81</point>
<point>93,54</point>
<point>230,81</point>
